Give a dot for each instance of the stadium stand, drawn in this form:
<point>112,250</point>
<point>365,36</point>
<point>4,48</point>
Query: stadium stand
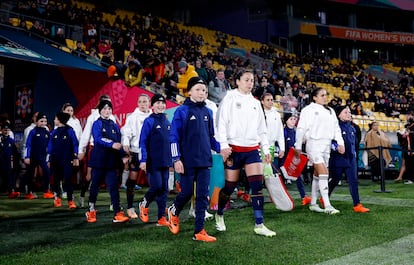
<point>313,72</point>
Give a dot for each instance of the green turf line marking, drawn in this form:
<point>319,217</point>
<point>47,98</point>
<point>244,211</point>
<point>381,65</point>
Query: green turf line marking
<point>400,251</point>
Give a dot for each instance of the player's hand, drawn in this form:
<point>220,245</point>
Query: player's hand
<point>179,167</point>
<point>268,158</point>
<point>143,166</point>
<point>341,149</point>
<point>81,156</point>
<point>225,153</point>
<point>117,146</point>
<point>297,153</point>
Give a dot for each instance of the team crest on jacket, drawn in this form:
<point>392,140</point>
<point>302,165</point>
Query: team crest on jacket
<point>205,118</point>
<point>316,113</point>
<point>238,105</point>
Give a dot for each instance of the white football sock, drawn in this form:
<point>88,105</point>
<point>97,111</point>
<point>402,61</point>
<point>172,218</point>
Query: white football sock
<point>324,190</point>
<point>315,189</point>
<point>125,175</point>
<point>171,180</point>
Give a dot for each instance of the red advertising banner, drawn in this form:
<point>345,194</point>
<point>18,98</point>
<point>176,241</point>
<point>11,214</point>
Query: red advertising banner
<point>124,100</point>
<point>371,35</point>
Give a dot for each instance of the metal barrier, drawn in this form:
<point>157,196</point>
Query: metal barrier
<point>382,166</point>
<point>384,124</point>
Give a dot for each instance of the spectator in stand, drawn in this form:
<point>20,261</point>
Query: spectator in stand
<point>132,42</point>
<point>33,11</point>
<point>122,66</point>
<point>358,109</point>
<point>279,87</point>
<point>375,138</point>
<point>289,102</point>
<point>303,99</point>
<point>263,87</point>
<point>93,57</point>
<point>345,164</point>
<point>23,25</point>
<point>37,28</point>
<point>241,131</point>
<point>8,157</point>
<point>133,74</point>
<point>185,72</point>
<point>20,8</point>
<point>218,87</point>
<point>104,161</point>
<point>58,35</point>
<point>63,155</point>
<point>158,70</point>
<point>130,141</point>
<point>154,71</point>
<point>382,105</point>
<point>170,74</point>
<point>149,73</point>
<point>108,58</point>
<point>210,70</point>
<point>89,30</point>
<point>228,71</point>
<point>192,140</point>
<point>79,51</point>
<point>403,83</point>
<point>201,71</point>
<point>333,103</point>
<point>119,47</point>
<point>155,147</point>
<point>317,127</point>
<point>104,46</point>
<point>91,44</point>
<point>35,155</point>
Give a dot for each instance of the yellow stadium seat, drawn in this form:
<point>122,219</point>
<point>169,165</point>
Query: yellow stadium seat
<point>66,49</point>
<point>29,24</point>
<point>14,21</point>
<point>71,43</point>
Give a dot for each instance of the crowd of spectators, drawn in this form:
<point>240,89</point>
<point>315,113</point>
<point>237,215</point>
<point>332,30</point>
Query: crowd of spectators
<point>156,44</point>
